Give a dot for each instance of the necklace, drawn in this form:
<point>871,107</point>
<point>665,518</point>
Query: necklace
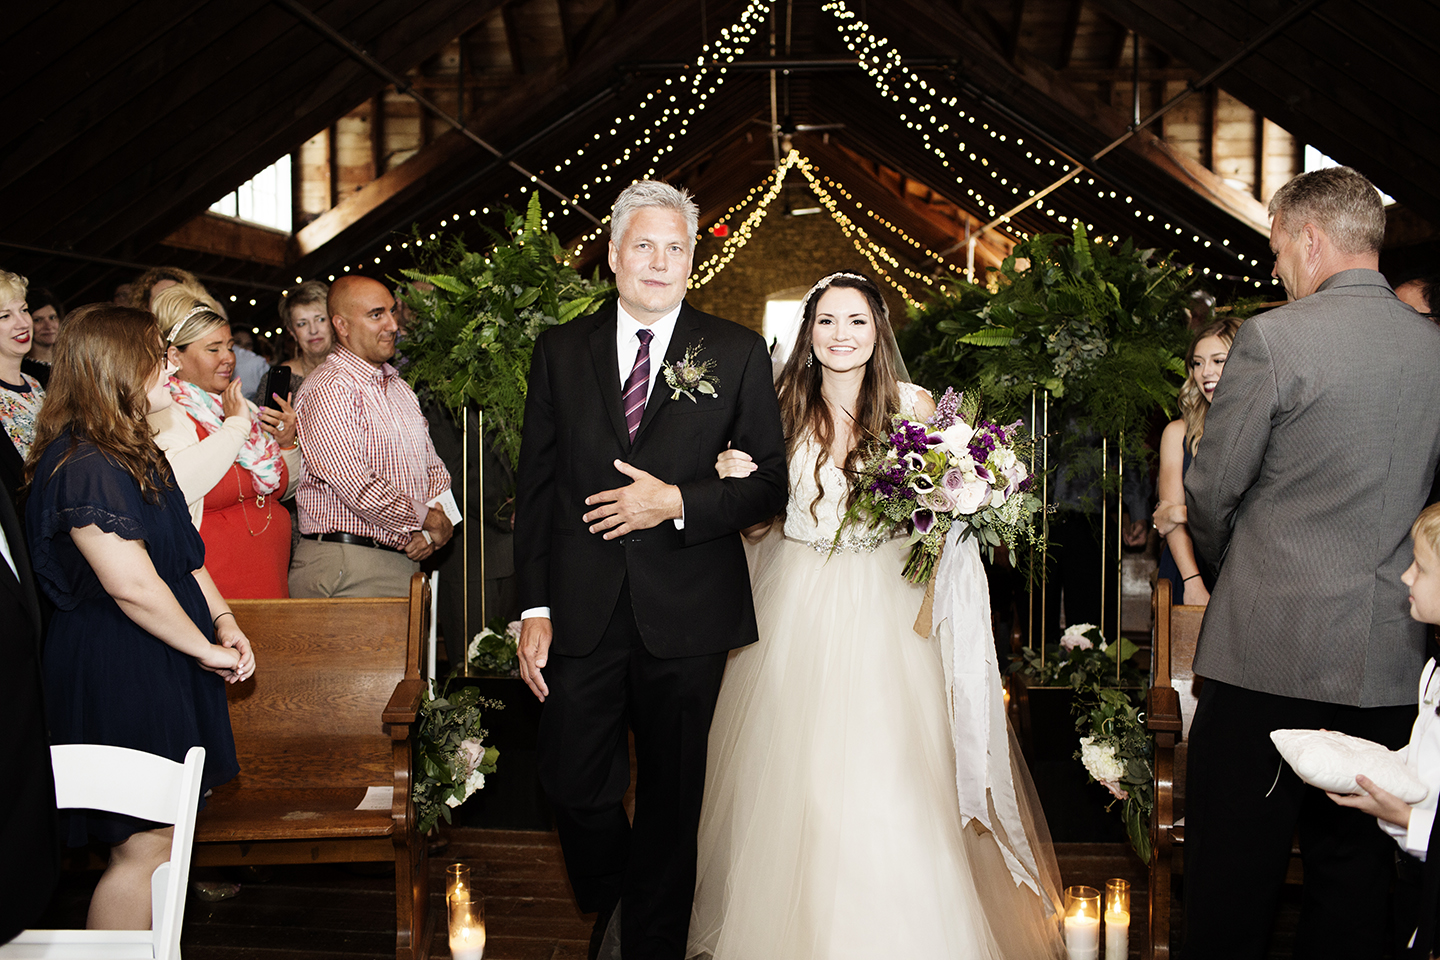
<point>261,503</point>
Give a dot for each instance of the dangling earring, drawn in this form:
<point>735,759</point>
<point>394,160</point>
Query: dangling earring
<point>809,359</point>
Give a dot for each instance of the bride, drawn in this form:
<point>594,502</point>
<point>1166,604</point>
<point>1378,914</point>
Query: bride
<point>832,826</point>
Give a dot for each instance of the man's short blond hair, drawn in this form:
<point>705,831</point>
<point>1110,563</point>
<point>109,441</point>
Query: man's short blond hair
<point>1338,200</point>
<point>1427,527</point>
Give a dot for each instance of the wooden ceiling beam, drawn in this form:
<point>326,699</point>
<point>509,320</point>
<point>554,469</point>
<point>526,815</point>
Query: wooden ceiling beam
<point>512,38</point>
<point>224,237</point>
<point>1012,38</point>
<point>1070,32</point>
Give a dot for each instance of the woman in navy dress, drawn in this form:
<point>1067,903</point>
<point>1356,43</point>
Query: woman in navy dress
<point>141,644</point>
<point>1189,581</point>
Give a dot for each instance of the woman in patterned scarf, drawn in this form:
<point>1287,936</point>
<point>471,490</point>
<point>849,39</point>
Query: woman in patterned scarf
<point>231,459</point>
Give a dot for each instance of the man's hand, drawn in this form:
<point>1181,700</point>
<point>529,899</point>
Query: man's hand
<point>418,548</point>
<point>638,506</point>
<point>1134,533</point>
<point>439,525</point>
<point>535,635</point>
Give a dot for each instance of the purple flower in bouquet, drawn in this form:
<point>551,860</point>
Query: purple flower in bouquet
<point>953,479</point>
<point>923,519</point>
<point>940,500</point>
<point>910,438</point>
<point>890,481</point>
<point>921,483</point>
<point>947,411</point>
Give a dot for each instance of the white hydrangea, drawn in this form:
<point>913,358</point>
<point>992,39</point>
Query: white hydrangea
<point>476,781</point>
<point>1100,760</point>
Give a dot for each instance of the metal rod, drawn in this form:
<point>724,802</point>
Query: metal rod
<point>1104,506</point>
<point>465,541</point>
<point>1135,79</point>
<point>142,267</point>
<point>1119,546</point>
<point>405,87</point>
<point>1192,87</point>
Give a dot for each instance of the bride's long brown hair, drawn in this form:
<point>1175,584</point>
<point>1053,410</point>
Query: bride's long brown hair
<point>803,411</point>
<point>104,361</point>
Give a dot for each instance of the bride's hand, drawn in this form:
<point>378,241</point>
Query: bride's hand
<point>734,463</point>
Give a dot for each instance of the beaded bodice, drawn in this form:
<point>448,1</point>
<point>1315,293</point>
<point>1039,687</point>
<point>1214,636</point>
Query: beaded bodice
<point>818,530</point>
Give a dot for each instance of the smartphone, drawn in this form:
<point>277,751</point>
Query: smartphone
<point>279,383</point>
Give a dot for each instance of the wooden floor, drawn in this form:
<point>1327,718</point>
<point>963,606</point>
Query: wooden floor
<point>329,912</point>
<point>326,911</point>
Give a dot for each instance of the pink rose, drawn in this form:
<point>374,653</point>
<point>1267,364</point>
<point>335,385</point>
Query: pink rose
<point>470,753</point>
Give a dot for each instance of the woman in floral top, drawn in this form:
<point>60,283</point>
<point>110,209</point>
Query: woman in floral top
<point>20,394</point>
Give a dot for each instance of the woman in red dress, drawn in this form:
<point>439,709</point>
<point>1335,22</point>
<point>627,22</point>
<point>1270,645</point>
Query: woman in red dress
<point>232,460</point>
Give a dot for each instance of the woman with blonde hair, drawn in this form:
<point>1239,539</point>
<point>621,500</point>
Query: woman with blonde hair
<point>20,393</point>
<point>1204,360</point>
<point>141,643</point>
<point>231,459</point>
<point>305,314</point>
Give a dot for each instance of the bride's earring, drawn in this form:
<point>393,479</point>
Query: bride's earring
<point>809,359</point>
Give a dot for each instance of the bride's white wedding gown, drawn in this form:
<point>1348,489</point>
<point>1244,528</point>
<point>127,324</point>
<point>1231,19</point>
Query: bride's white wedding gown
<point>830,826</point>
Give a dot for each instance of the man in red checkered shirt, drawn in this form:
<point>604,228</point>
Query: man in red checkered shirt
<point>374,498</point>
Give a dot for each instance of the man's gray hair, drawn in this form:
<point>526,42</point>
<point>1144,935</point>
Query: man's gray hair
<point>653,193</point>
<point>1338,200</point>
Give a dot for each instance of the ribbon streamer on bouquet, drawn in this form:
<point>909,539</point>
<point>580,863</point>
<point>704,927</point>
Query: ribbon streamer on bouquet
<point>961,617</point>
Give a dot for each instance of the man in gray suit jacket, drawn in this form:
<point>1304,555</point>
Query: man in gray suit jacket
<point>1318,453</point>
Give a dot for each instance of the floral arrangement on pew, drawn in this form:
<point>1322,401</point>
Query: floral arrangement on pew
<point>496,649</point>
<point>451,758</point>
<point>1115,746</point>
<point>953,468</point>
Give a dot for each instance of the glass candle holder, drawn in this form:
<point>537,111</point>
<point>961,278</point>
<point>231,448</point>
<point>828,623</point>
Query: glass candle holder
<point>1117,919</point>
<point>457,881</point>
<point>1082,923</point>
<point>467,927</point>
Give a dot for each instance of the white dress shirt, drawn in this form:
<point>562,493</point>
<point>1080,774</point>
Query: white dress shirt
<point>1422,756</point>
<point>627,345</point>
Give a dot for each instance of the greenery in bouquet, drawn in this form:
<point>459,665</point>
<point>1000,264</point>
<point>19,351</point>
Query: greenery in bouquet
<point>953,468</point>
<point>496,649</point>
<point>1115,746</point>
<point>477,315</point>
<point>451,758</point>
<point>1102,327</point>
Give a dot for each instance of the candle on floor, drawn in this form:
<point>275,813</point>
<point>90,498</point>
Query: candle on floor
<point>1117,920</point>
<point>467,928</point>
<point>457,881</point>
<point>1082,923</point>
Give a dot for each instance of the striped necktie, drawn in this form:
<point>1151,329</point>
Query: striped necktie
<point>635,388</point>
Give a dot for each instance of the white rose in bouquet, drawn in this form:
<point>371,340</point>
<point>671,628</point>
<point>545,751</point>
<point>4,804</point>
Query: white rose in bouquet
<point>1074,637</point>
<point>956,438</point>
<point>1102,763</point>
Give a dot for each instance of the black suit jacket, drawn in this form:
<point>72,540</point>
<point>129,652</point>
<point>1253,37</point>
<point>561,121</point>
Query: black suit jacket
<point>690,588</point>
<point>29,855</point>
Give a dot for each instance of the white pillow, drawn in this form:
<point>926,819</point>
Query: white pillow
<point>1330,761</point>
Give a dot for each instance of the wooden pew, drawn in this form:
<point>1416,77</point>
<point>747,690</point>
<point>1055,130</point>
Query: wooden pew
<point>1170,708</point>
<point>331,711</point>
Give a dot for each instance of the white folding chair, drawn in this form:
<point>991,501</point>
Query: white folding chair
<point>139,784</point>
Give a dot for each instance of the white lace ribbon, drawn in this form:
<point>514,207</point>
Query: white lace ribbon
<point>977,706</point>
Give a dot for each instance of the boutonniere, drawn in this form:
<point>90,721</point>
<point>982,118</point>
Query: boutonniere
<point>690,375</point>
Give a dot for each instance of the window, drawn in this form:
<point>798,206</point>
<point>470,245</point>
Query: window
<point>264,199</point>
<point>782,319</point>
<point>1315,160</point>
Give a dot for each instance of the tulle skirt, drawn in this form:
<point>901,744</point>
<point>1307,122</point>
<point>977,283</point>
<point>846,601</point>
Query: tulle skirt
<point>830,826</point>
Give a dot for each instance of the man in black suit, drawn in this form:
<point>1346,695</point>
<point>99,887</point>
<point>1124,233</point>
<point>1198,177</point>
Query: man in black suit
<point>633,581</point>
<point>29,855</point>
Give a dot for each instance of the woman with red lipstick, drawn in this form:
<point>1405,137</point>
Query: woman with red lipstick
<point>232,460</point>
<point>1178,563</point>
<point>20,393</point>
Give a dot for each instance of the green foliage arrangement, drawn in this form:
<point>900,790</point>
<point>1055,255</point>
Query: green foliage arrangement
<point>1101,327</point>
<point>1115,746</point>
<point>475,331</point>
<point>451,758</point>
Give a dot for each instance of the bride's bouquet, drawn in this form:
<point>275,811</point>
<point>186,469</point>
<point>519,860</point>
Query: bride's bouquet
<point>953,468</point>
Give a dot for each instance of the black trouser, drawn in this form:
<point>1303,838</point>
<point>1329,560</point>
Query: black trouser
<point>585,769</point>
<point>1243,804</point>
